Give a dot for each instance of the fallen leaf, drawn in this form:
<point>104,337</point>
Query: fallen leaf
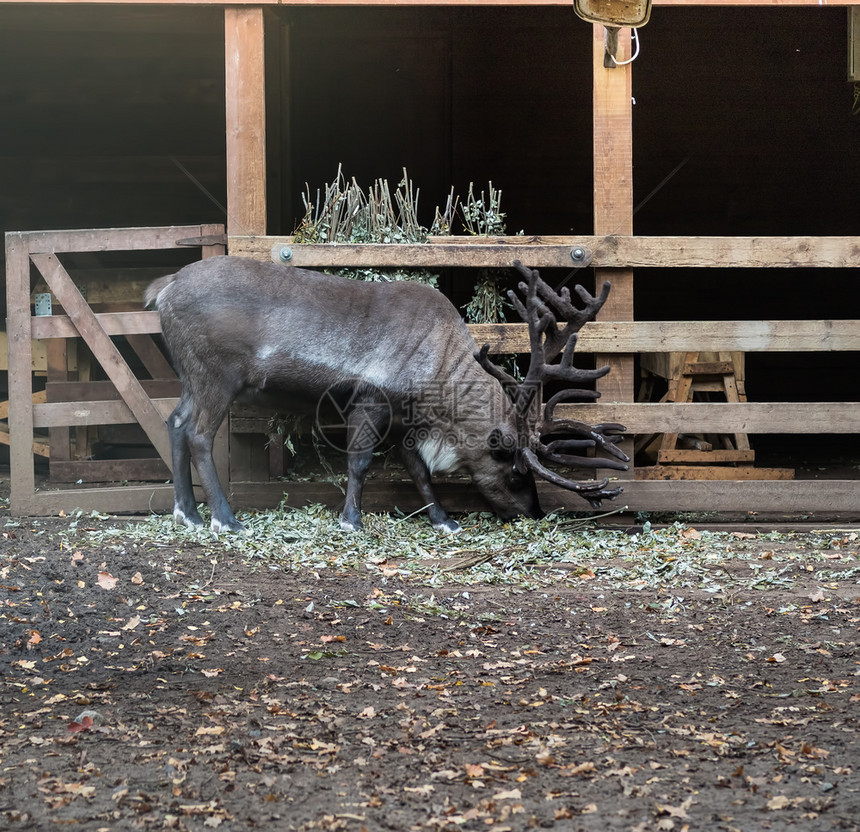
<point>424,790</point>
<point>209,730</point>
<point>75,727</point>
<point>511,794</point>
<point>577,770</point>
<point>106,580</point>
<point>672,811</point>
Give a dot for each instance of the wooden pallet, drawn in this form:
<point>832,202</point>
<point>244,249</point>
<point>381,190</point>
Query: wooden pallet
<point>702,376</point>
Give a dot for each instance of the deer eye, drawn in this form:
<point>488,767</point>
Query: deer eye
<point>516,481</point>
<point>502,446</point>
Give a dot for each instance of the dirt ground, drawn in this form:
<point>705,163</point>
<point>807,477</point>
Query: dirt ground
<point>180,685</point>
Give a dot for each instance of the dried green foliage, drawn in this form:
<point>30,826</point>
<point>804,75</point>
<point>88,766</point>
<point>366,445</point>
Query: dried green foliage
<point>523,554</point>
<point>344,213</point>
<point>483,217</point>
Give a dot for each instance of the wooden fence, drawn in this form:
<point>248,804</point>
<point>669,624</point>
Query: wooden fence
<point>126,399</point>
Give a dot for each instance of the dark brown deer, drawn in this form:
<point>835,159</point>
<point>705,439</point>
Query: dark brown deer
<point>392,358</point>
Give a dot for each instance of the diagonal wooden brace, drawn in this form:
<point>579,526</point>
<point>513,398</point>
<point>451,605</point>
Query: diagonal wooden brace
<point>90,329</point>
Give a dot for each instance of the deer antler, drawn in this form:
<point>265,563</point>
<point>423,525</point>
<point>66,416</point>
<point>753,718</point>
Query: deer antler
<point>541,307</point>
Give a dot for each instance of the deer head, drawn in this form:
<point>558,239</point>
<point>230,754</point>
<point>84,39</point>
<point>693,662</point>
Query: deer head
<point>543,437</point>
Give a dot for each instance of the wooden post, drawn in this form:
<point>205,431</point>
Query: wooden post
<point>21,473</point>
<point>613,204</point>
<point>245,91</point>
<point>613,197</point>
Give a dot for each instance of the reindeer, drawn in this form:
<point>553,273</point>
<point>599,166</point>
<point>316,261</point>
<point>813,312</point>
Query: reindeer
<point>393,357</point>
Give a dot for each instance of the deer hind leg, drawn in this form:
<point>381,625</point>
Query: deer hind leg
<point>207,413</point>
<point>184,506</point>
<point>420,473</point>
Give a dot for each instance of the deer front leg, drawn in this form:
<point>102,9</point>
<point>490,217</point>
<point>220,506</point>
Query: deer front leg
<point>365,424</point>
<point>420,474</point>
<point>358,466</point>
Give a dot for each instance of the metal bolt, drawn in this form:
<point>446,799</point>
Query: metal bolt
<point>577,254</point>
<point>286,254</point>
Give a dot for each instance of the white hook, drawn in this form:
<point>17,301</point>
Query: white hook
<point>635,55</point>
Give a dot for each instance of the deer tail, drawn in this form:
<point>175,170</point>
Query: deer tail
<point>150,296</point>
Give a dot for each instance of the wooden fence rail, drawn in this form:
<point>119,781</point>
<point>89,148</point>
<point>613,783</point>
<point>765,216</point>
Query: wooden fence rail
<point>566,252</point>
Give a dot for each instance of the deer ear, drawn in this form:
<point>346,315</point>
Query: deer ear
<point>502,445</point>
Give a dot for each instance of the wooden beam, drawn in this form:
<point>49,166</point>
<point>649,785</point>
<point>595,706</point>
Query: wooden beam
<point>612,251</point>
<point>100,412</point>
<point>784,496</point>
<point>110,470</point>
<point>22,473</point>
<point>246,120</point>
<point>489,3</point>
<point>150,356</point>
<point>76,392</point>
<point>722,417</point>
<point>110,239</point>
<point>130,499</point>
<point>640,417</point>
<point>687,336</point>
<point>613,203</point>
<point>113,323</point>
<point>712,472</point>
<point>600,336</point>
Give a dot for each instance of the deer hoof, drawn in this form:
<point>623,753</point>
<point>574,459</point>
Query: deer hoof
<point>216,526</point>
<point>349,526</point>
<point>448,526</point>
<point>192,521</point>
